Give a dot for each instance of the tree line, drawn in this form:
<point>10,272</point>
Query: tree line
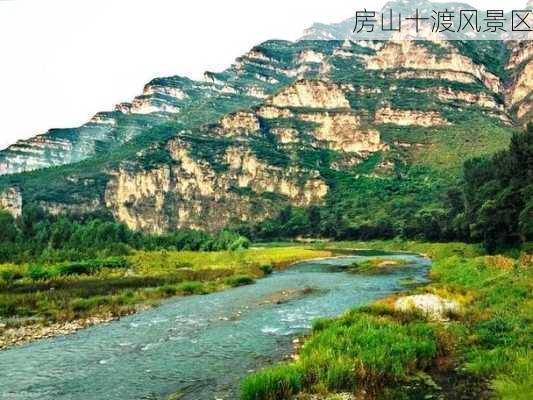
<point>38,236</point>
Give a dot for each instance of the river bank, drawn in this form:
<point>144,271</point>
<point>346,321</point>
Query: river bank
<point>33,309</point>
<point>196,346</point>
<point>464,335</point>
<point>21,335</point>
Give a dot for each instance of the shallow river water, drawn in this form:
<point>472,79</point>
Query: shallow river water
<point>199,346</point>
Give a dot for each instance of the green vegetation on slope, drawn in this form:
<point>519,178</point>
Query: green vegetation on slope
<point>499,194</point>
<point>427,199</point>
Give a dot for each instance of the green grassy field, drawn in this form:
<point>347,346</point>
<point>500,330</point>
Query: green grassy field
<point>378,352</point>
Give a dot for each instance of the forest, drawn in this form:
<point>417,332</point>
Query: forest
<point>38,236</point>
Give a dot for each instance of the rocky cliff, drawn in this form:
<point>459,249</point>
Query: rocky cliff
<point>11,201</point>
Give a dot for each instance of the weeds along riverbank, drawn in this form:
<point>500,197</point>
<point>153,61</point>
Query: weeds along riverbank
<point>39,301</point>
<point>479,348</point>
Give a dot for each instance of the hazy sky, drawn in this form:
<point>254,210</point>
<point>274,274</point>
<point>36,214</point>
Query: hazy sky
<point>61,61</point>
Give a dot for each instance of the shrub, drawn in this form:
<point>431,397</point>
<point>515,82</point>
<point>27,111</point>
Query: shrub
<point>39,273</point>
<point>92,266</point>
<point>239,280</point>
<point>79,268</point>
<point>8,276</point>
<point>267,269</point>
<point>191,288</point>
<point>80,305</point>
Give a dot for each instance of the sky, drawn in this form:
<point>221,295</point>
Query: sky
<point>61,61</point>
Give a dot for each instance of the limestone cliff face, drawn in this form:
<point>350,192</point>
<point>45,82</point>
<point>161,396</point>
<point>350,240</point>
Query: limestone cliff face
<point>148,105</point>
<point>311,94</point>
<point>479,99</point>
<point>412,55</point>
<point>521,51</point>
<point>270,112</point>
<point>192,194</point>
<point>39,152</point>
<point>522,85</point>
<point>387,115</point>
<point>11,201</point>
<point>286,135</point>
<point>343,131</point>
<point>137,199</point>
<point>175,92</point>
<point>239,123</point>
<point>338,130</point>
<point>300,187</point>
<point>519,92</point>
<point>79,208</point>
<point>453,76</point>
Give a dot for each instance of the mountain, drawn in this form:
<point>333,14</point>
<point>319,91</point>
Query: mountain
<point>367,131</point>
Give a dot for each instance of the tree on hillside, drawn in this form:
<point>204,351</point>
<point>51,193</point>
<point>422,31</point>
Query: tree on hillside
<point>499,194</point>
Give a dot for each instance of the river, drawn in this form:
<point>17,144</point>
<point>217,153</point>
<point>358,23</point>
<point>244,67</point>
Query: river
<point>198,346</point>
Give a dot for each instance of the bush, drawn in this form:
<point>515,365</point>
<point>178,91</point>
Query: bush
<point>8,276</point>
<point>267,269</point>
<point>92,266</point>
<point>190,288</point>
<point>39,273</point>
<point>239,280</point>
<point>79,268</point>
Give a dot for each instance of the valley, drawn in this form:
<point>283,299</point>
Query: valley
<point>333,219</point>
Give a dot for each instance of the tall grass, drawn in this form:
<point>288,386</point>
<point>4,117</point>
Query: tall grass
<point>279,382</point>
<point>115,285</point>
<point>377,348</point>
<point>359,349</point>
<point>498,337</point>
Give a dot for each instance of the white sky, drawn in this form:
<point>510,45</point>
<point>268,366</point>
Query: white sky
<point>61,61</point>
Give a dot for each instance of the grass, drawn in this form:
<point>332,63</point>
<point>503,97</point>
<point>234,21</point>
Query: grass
<point>376,266</point>
<point>355,350</point>
<point>497,339</point>
<point>279,382</point>
<point>239,280</point>
<point>70,291</point>
<point>380,351</point>
<point>166,262</point>
<point>435,251</point>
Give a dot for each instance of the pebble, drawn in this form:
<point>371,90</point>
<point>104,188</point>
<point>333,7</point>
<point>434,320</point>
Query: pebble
<point>25,334</point>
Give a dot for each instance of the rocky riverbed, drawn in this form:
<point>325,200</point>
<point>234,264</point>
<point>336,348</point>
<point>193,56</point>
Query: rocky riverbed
<point>26,333</point>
